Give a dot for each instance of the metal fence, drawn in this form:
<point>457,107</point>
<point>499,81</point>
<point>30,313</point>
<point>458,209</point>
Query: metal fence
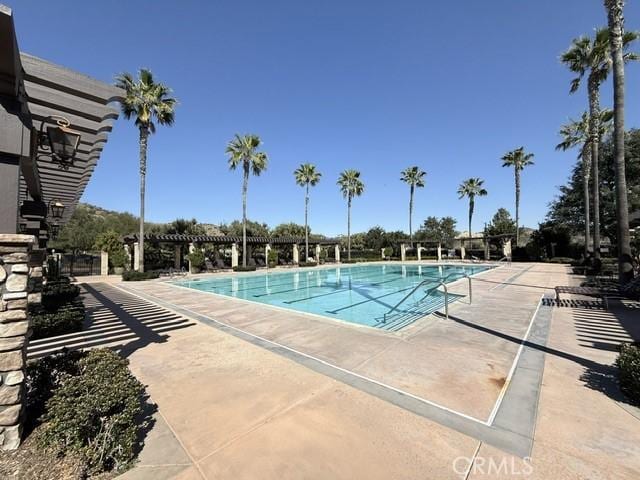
<point>79,265</point>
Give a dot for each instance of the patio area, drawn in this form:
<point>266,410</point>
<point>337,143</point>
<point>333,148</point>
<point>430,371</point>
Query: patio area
<point>246,391</point>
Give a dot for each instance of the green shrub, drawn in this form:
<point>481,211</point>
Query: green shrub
<point>568,260</point>
<point>67,318</point>
<point>135,276</point>
<point>628,363</point>
<point>93,409</point>
<point>388,252</point>
<point>52,272</point>
<point>307,264</point>
<point>197,259</point>
<point>346,260</point>
<point>248,268</point>
<point>57,293</point>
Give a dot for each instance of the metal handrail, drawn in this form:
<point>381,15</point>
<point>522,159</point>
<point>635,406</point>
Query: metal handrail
<point>505,259</point>
<point>441,283</point>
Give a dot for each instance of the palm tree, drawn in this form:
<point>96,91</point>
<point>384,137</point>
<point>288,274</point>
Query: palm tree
<point>350,186</point>
<point>592,58</point>
<point>471,188</point>
<point>575,133</point>
<point>148,102</point>
<point>615,17</point>
<point>414,177</point>
<point>306,175</point>
<point>243,150</point>
<point>517,159</point>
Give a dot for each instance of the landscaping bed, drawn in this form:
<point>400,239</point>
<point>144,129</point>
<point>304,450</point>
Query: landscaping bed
<point>86,414</point>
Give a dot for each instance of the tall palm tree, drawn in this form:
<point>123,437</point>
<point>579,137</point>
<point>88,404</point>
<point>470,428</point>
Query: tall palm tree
<point>350,186</point>
<point>517,159</point>
<point>243,151</point>
<point>414,177</point>
<point>592,58</point>
<point>148,102</point>
<point>471,188</point>
<point>615,17</point>
<point>306,175</point>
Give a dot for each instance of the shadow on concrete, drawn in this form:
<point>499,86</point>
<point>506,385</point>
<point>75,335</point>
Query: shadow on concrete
<point>595,328</point>
<point>116,320</point>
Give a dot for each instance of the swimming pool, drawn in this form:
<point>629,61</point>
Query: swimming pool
<point>362,294</point>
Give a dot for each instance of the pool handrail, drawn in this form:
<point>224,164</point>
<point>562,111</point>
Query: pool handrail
<point>441,283</point>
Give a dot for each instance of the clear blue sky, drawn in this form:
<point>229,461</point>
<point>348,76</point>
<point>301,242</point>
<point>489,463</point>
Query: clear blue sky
<point>376,86</point>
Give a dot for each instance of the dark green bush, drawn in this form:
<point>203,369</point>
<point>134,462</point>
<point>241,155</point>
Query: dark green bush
<point>628,363</point>
<point>67,318</point>
<point>307,264</point>
<point>135,276</point>
<point>248,268</point>
<point>567,260</point>
<point>197,259</point>
<point>92,407</point>
<point>346,260</point>
<point>57,293</point>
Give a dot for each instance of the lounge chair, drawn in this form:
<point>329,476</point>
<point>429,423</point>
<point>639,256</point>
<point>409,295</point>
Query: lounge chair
<point>260,262</point>
<point>220,264</point>
<point>209,266</point>
<point>630,290</point>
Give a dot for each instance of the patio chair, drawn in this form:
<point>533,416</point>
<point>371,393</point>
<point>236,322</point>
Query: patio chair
<point>220,264</point>
<point>260,262</point>
<point>630,290</point>
<point>209,266</point>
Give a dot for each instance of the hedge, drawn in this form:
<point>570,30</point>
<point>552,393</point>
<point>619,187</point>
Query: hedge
<point>67,318</point>
<point>90,405</point>
<point>248,268</point>
<point>628,363</point>
<point>135,276</point>
<point>57,293</point>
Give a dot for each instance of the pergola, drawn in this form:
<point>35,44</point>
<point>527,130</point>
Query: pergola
<point>44,106</point>
<point>196,241</point>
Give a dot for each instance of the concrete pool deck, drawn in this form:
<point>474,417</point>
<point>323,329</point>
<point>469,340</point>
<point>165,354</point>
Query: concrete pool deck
<point>272,393</point>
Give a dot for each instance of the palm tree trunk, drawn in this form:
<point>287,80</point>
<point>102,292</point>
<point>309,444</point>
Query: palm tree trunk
<point>245,183</point>
<point>349,228</point>
<point>586,168</point>
<point>411,215</point>
<point>306,227</point>
<point>517,206</point>
<point>616,21</point>
<point>144,137</point>
<point>594,135</point>
<point>471,205</point>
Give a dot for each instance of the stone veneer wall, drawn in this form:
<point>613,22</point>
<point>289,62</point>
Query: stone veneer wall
<point>20,284</point>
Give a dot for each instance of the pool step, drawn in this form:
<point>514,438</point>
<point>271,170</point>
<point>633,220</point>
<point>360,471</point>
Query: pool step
<point>413,312</point>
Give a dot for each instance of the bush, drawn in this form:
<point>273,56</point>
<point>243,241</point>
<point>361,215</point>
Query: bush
<point>67,318</point>
<point>197,260</point>
<point>567,260</point>
<point>57,293</point>
<point>353,260</point>
<point>388,252</point>
<point>248,268</point>
<point>135,276</point>
<point>92,409</point>
<point>628,363</point>
<point>307,264</point>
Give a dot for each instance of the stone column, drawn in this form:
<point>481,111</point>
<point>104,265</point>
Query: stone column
<point>234,254</point>
<point>136,256</point>
<point>296,254</point>
<point>419,252</point>
<point>337,247</point>
<point>192,249</point>
<point>267,249</point>
<point>318,251</point>
<point>104,263</point>
<point>403,252</point>
<point>439,253</point>
<point>127,252</point>
<point>486,249</point>
<point>506,248</point>
<point>20,284</point>
<point>463,252</point>
<point>382,253</point>
<point>176,256</point>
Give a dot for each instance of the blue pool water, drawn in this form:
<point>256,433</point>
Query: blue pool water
<point>360,294</point>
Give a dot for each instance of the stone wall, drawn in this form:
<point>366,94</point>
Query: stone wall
<point>20,284</point>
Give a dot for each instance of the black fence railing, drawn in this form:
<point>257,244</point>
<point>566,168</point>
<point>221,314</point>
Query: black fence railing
<point>79,265</point>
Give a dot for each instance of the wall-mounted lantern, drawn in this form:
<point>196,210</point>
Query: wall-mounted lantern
<point>56,207</point>
<point>60,140</point>
<point>54,230</point>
